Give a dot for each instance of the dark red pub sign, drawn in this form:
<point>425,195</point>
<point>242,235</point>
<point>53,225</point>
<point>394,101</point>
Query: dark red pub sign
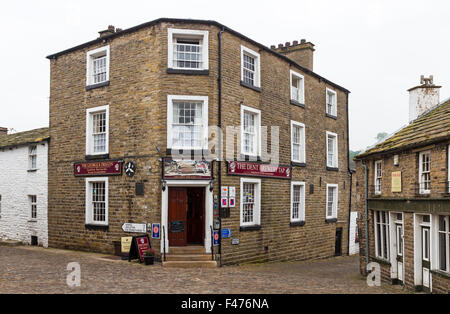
<point>98,168</point>
<point>245,168</point>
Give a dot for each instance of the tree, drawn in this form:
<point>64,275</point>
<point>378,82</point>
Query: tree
<point>381,136</point>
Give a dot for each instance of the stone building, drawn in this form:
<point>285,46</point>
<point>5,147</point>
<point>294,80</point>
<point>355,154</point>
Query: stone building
<point>406,215</point>
<point>124,106</point>
<point>23,186</point>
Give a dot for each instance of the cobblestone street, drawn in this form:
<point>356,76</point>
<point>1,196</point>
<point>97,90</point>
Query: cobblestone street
<point>38,270</point>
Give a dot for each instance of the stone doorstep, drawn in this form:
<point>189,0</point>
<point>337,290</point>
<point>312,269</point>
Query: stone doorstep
<point>190,264</point>
<point>11,243</point>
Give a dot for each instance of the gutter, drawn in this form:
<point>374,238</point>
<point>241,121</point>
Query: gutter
<point>194,21</point>
<point>219,126</point>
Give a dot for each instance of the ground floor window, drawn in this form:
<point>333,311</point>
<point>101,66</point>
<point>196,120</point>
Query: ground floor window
<point>332,201</point>
<point>33,206</point>
<point>97,201</point>
<point>381,234</point>
<point>444,243</point>
<point>250,202</point>
<point>297,201</point>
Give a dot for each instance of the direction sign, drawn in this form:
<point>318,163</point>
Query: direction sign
<point>134,228</point>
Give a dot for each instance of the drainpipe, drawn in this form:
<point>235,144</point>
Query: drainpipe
<point>219,126</point>
<point>366,179</point>
<point>351,180</point>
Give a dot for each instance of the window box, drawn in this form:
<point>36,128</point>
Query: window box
<point>188,51</point>
<point>250,68</point>
<point>187,123</point>
<point>298,164</point>
<point>97,131</point>
<point>331,220</point>
<point>250,204</point>
<point>330,116</point>
<point>97,157</point>
<point>97,68</point>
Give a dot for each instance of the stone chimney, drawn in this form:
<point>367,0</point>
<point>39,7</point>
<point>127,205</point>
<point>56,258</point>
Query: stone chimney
<point>423,97</point>
<point>302,53</point>
<point>111,30</point>
<point>3,131</point>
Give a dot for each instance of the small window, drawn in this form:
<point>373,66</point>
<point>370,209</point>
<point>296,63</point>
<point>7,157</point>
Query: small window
<point>331,100</point>
<point>97,201</point>
<point>297,87</point>
<point>332,201</point>
<point>424,173</point>
<point>382,234</point>
<point>378,176</point>
<point>297,201</point>
<point>33,206</point>
<point>187,122</point>
<point>97,131</point>
<point>97,66</point>
<point>32,157</point>
<point>251,131</point>
<point>250,67</point>
<point>332,150</point>
<point>298,142</point>
<point>250,202</point>
<point>188,49</point>
<point>444,243</point>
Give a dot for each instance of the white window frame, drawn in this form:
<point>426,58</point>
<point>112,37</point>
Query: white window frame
<point>382,235</point>
<point>335,201</point>
<point>257,206</point>
<point>448,169</point>
<point>188,33</point>
<point>89,136</point>
<point>257,147</point>
<point>335,162</point>
<point>89,210</point>
<point>170,100</point>
<point>90,55</point>
<point>257,56</point>
<point>31,156</point>
<point>378,187</point>
<point>302,150</point>
<point>33,207</point>
<point>334,104</point>
<point>301,216</point>
<point>421,189</point>
<point>447,237</point>
<point>301,88</point>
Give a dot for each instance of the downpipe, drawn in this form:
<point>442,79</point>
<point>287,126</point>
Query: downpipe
<point>366,204</point>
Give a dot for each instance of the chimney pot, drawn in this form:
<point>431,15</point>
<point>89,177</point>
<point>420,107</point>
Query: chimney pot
<point>303,41</point>
<point>288,44</point>
<point>280,45</point>
<point>295,43</point>
<point>272,47</point>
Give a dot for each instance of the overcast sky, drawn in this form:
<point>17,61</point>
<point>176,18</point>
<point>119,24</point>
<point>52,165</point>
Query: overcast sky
<point>377,49</point>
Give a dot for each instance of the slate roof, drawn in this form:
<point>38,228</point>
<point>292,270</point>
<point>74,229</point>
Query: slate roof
<point>24,138</point>
<point>431,127</point>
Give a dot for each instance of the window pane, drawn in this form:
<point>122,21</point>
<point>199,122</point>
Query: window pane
<point>248,202</point>
<point>188,54</point>
<point>187,124</point>
<point>99,201</point>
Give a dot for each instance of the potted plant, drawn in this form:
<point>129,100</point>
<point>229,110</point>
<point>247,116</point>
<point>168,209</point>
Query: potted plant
<point>149,257</point>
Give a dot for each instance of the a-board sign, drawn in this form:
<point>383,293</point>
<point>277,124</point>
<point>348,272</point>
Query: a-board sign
<point>139,245</point>
<point>126,244</point>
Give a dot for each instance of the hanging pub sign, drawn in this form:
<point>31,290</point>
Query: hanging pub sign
<point>187,169</point>
<point>252,169</point>
<point>139,245</point>
<point>98,168</point>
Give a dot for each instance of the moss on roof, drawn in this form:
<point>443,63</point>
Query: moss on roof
<point>431,127</point>
<point>23,138</point>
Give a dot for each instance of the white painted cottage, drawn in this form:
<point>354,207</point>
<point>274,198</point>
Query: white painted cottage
<point>24,186</point>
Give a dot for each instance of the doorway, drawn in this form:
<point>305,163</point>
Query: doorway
<point>338,243</point>
<point>186,212</point>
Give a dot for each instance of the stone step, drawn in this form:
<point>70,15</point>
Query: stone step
<point>190,264</point>
<point>188,250</point>
<point>189,257</point>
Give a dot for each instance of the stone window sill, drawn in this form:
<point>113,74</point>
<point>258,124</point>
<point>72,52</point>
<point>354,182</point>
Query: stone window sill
<point>298,164</point>
<point>97,157</point>
<point>380,260</point>
<point>331,116</point>
<point>332,169</point>
<point>250,228</point>
<point>331,220</point>
<point>94,86</point>
<point>440,273</point>
<point>97,227</point>
<point>255,88</point>
<point>297,223</point>
<point>250,158</point>
<point>296,103</point>
<point>187,72</point>
<point>32,220</point>
<point>32,170</point>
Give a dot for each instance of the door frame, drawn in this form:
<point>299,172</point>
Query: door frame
<point>418,249</point>
<point>208,209</point>
<point>393,245</point>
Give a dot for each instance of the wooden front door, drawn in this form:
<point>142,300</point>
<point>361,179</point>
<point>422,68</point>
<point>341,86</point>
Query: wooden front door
<point>195,214</point>
<point>177,216</point>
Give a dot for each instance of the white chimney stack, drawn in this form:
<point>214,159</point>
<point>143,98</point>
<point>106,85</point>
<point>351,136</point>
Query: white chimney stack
<point>423,97</point>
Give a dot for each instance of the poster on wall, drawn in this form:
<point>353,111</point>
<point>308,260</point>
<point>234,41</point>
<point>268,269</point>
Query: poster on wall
<point>232,197</point>
<point>396,182</point>
<point>187,169</point>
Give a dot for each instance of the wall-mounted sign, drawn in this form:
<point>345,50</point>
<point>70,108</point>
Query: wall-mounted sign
<point>235,242</point>
<point>226,233</point>
<point>98,168</point>
<point>396,186</point>
<point>134,228</point>
<point>216,238</point>
<point>232,197</point>
<point>177,226</point>
<point>156,231</point>
<point>187,169</point>
<point>244,168</point>
<point>224,196</point>
<point>130,169</point>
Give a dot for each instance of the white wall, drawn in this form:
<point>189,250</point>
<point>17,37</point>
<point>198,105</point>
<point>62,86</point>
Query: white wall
<point>354,247</point>
<point>16,184</point>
